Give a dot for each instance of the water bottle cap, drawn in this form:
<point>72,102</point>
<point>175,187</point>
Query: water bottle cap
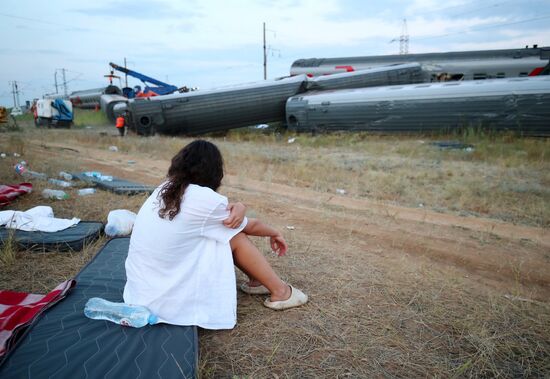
<point>152,319</point>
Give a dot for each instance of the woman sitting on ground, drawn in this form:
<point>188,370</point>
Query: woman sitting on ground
<point>186,241</point>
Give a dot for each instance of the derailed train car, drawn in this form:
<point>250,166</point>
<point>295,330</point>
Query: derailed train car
<point>517,104</point>
<point>213,110</point>
<point>454,65</point>
<point>108,104</point>
<point>91,98</point>
<point>407,73</point>
<point>244,105</point>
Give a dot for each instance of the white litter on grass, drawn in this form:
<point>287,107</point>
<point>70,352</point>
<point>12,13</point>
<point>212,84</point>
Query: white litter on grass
<point>113,148</point>
<point>3,155</point>
<point>291,140</point>
<point>16,155</point>
<point>340,191</point>
<point>469,149</point>
<point>290,227</point>
<point>421,205</point>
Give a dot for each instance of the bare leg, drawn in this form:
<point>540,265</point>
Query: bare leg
<point>248,258</point>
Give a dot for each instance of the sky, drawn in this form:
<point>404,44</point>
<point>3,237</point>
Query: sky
<point>213,43</point>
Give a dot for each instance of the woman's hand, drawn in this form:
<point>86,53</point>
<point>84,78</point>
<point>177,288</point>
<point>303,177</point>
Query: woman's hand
<point>237,211</point>
<point>278,245</point>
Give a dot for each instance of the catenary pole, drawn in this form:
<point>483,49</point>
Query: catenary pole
<point>265,57</point>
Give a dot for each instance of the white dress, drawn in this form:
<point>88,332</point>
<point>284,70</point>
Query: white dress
<point>182,270</point>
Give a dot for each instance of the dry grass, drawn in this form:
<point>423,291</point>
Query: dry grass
<point>373,317</point>
<point>380,307</point>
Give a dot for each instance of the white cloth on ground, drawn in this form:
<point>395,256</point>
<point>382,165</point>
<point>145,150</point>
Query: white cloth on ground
<point>182,270</point>
<point>37,219</point>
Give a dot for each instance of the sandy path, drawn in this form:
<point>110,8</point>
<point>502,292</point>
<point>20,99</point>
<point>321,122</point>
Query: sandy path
<point>498,254</point>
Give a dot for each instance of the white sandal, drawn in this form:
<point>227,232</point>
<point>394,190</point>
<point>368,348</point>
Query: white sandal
<point>254,290</point>
<point>296,299</point>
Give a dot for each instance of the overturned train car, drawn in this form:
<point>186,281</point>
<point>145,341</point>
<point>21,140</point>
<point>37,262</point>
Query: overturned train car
<point>91,98</point>
<point>516,104</point>
<point>250,104</point>
<point>456,65</point>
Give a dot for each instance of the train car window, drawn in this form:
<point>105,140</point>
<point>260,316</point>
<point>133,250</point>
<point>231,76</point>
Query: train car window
<point>501,75</point>
<point>480,76</point>
<point>523,74</point>
<point>457,77</point>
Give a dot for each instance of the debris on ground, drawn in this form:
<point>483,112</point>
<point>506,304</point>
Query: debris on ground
<point>120,222</point>
<point>65,175</point>
<point>60,183</point>
<point>54,194</point>
<point>455,145</point>
<point>21,169</point>
<point>86,191</point>
<point>10,191</point>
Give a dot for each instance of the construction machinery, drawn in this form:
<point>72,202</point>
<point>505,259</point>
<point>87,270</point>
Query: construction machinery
<point>158,88</point>
<point>54,113</point>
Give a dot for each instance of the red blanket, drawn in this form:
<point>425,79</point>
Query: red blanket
<point>18,310</point>
<point>11,191</point>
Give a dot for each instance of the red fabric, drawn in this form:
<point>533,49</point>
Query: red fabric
<point>18,310</point>
<point>11,191</point>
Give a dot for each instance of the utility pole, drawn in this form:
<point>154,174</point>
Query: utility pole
<point>55,80</point>
<point>17,94</point>
<point>265,57</point>
<point>404,39</point>
<point>13,92</point>
<point>64,82</point>
<point>126,75</point>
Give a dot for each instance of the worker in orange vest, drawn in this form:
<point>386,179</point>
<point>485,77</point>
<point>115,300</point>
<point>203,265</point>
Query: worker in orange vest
<point>120,122</point>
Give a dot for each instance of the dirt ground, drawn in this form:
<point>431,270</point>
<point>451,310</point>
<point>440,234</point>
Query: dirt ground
<point>394,291</point>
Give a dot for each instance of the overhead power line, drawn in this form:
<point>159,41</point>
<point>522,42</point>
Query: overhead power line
<point>37,20</point>
<point>475,29</point>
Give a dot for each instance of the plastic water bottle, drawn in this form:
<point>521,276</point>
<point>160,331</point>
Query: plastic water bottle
<point>106,178</point>
<point>86,191</point>
<point>65,175</point>
<point>135,316</point>
<point>60,183</point>
<point>92,174</point>
<point>22,170</point>
<point>54,194</point>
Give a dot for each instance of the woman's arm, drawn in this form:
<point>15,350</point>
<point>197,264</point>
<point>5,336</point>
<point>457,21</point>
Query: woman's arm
<point>237,211</point>
<point>257,228</point>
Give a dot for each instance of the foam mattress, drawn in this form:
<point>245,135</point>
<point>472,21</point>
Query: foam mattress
<point>63,343</point>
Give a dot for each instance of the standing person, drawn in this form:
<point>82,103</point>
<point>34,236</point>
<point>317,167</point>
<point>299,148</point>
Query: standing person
<point>186,241</point>
<point>120,123</point>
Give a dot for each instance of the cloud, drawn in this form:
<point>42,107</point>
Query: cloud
<point>14,51</point>
<point>150,10</point>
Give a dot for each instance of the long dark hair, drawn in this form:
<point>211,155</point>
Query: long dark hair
<point>201,163</point>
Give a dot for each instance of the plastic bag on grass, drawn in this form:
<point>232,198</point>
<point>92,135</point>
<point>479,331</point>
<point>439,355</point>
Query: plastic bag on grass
<point>120,222</point>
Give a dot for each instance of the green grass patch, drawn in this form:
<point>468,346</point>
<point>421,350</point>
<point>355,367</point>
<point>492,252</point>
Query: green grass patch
<point>90,117</point>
